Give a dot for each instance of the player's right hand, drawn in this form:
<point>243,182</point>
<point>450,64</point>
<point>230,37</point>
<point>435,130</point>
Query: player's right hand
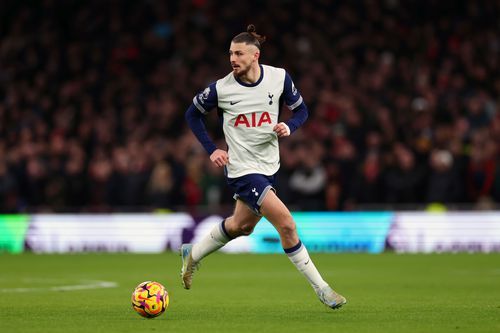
<point>219,157</point>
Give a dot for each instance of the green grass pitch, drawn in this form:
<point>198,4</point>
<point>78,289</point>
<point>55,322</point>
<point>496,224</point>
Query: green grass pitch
<point>253,293</point>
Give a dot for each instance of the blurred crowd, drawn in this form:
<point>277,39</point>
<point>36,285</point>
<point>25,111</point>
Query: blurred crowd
<point>404,101</point>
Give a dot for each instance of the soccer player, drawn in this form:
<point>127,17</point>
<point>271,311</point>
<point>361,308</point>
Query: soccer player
<point>249,99</point>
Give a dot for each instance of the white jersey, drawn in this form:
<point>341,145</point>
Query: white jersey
<point>249,112</point>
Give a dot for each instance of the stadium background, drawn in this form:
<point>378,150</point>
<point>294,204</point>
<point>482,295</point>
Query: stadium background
<point>400,154</point>
<point>403,99</point>
<point>404,117</point>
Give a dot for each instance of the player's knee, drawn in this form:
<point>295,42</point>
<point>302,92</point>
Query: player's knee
<point>246,229</point>
<point>287,227</point>
<point>288,230</point>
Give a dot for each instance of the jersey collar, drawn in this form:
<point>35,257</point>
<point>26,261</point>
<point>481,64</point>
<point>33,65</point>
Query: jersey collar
<point>252,84</point>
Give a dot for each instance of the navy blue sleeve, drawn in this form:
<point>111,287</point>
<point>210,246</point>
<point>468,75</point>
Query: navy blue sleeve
<point>195,121</point>
<point>299,117</point>
<point>207,99</point>
<point>203,103</point>
<point>294,102</point>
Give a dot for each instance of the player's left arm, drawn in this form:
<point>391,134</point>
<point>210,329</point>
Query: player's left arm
<point>295,103</point>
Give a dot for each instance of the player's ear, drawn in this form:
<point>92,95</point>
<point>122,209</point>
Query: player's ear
<point>256,55</point>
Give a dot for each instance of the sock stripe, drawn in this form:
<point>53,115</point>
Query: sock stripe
<point>224,231</point>
<point>291,250</point>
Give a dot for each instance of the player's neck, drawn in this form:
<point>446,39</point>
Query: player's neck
<point>252,76</point>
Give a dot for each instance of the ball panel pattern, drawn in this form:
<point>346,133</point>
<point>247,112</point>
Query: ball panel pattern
<point>150,299</point>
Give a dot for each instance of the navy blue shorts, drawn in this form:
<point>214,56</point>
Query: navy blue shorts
<point>252,189</point>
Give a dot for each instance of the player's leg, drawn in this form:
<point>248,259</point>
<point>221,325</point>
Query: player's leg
<point>191,254</point>
<point>242,222</point>
<point>280,217</point>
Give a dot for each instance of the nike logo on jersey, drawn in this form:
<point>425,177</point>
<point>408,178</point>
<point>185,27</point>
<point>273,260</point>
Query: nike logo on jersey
<point>235,102</point>
<point>307,261</point>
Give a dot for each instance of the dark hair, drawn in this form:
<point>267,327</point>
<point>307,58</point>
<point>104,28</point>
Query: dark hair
<point>250,37</point>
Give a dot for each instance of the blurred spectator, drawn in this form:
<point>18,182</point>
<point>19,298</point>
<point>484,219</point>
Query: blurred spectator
<point>307,181</point>
<point>212,184</point>
<point>404,181</point>
<point>8,190</point>
<point>93,94</point>
<point>444,183</point>
<point>192,186</point>
<point>160,190</point>
<point>368,183</point>
<point>482,167</point>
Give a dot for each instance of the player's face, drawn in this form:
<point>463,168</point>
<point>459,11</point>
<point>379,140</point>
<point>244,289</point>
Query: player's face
<point>242,57</point>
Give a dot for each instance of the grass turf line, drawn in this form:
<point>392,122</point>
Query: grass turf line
<point>255,293</point>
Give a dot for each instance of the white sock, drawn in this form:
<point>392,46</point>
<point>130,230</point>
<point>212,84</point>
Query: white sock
<point>299,256</point>
<point>216,239</point>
